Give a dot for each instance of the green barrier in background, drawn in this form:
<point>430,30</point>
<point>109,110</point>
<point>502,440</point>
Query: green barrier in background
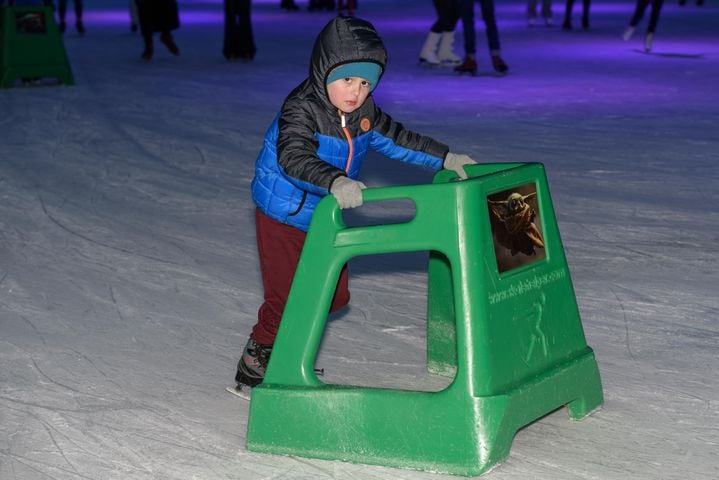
<point>502,319</point>
<point>31,46</point>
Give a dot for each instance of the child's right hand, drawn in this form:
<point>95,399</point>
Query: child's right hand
<point>347,192</point>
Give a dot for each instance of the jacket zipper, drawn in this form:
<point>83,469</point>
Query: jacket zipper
<point>349,141</point>
<point>347,167</point>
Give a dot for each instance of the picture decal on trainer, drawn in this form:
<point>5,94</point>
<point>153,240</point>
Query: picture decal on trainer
<point>32,23</point>
<point>516,225</point>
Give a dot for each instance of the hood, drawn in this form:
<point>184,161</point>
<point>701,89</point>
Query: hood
<point>344,40</point>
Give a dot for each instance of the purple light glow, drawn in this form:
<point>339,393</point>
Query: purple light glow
<point>565,54</point>
<point>219,2</point>
<point>195,12</point>
<point>558,9</point>
<point>187,17</point>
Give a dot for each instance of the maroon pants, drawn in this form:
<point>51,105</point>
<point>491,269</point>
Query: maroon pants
<point>279,246</point>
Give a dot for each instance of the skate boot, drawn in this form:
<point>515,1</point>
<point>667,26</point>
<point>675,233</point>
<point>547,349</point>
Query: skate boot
<point>446,54</point>
<point>166,38</point>
<point>253,364</point>
<point>498,64</point>
<point>567,25</point>
<point>468,66</point>
<point>62,26</point>
<point>648,41</point>
<point>80,27</point>
<point>428,54</point>
<point>628,33</point>
<point>585,22</point>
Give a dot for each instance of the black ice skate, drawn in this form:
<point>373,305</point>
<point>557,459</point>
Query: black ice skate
<point>166,38</point>
<point>468,66</point>
<point>252,366</point>
<point>498,64</point>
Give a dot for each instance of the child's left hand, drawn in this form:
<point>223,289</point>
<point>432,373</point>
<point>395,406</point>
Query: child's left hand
<point>456,163</point>
<point>347,192</point>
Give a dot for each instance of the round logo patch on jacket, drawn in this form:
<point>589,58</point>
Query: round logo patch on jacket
<point>365,124</point>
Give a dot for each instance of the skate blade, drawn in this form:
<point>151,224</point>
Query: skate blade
<point>245,392</point>
<point>239,391</point>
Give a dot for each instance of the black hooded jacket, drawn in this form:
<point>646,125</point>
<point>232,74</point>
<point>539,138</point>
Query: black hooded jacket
<point>308,145</point>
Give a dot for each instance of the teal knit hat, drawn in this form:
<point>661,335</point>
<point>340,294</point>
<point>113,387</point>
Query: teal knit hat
<point>370,71</point>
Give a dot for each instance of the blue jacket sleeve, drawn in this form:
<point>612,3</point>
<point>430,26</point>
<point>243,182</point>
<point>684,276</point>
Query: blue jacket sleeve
<point>391,139</point>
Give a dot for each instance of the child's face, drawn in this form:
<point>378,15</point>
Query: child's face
<point>348,94</point>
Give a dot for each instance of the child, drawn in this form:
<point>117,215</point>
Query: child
<point>315,147</point>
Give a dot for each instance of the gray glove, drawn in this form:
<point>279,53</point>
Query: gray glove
<point>456,162</point>
<point>348,192</point>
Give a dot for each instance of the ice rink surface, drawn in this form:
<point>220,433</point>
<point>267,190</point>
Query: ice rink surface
<point>128,267</point>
